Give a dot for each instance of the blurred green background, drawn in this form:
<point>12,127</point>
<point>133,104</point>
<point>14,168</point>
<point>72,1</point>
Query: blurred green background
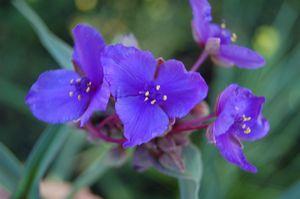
<point>271,27</point>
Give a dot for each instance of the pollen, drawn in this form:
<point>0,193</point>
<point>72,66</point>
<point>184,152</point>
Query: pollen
<point>147,93</point>
<point>247,131</point>
<point>244,126</point>
<point>234,37</point>
<point>223,25</point>
<point>78,80</point>
<point>165,97</point>
<point>71,81</point>
<point>157,87</point>
<point>88,89</point>
<point>89,84</point>
<point>71,93</point>
<point>79,97</point>
<point>146,99</point>
<point>153,102</point>
<point>246,119</point>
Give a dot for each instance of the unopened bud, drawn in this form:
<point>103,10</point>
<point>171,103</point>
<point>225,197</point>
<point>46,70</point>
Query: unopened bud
<point>212,45</point>
<point>201,110</point>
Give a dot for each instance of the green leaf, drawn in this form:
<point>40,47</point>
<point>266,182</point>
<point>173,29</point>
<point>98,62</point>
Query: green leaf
<point>59,50</point>
<point>66,159</point>
<point>292,193</point>
<point>93,171</point>
<point>14,96</point>
<point>39,160</point>
<point>10,169</point>
<point>189,181</point>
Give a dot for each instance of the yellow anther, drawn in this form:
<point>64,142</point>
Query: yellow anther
<point>247,131</point>
<point>79,97</point>
<point>245,119</point>
<point>153,101</point>
<point>147,93</point>
<point>165,97</point>
<point>71,93</point>
<point>88,89</point>
<point>157,87</point>
<point>223,25</point>
<point>146,99</point>
<point>71,81</point>
<point>234,37</point>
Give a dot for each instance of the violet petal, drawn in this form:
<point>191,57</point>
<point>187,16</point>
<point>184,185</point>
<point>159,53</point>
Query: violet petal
<point>88,47</point>
<point>183,90</point>
<point>241,56</point>
<point>142,121</point>
<point>49,97</point>
<point>231,150</point>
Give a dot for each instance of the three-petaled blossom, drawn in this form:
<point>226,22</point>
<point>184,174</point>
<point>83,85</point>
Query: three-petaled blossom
<point>149,93</point>
<point>239,118</point>
<point>60,96</point>
<point>217,40</point>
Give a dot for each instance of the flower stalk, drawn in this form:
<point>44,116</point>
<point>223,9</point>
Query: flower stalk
<point>199,61</point>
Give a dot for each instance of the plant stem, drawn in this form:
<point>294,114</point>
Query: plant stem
<point>106,121</point>
<point>99,134</point>
<point>189,128</point>
<point>199,61</point>
<point>195,124</point>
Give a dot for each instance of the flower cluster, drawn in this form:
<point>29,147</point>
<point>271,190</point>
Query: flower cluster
<point>155,103</point>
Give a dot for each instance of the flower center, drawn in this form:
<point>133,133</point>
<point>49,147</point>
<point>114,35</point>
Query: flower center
<point>81,86</point>
<point>244,121</point>
<point>152,94</point>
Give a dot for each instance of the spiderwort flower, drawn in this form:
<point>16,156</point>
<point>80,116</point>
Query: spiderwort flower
<point>239,118</point>
<point>148,95</point>
<point>217,40</point>
<point>60,96</point>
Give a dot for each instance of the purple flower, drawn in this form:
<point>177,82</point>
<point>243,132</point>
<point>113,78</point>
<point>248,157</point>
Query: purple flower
<point>217,40</point>
<point>148,95</point>
<point>60,96</point>
<point>239,118</point>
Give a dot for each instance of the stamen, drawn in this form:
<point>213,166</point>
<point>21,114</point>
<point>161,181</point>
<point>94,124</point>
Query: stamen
<point>223,25</point>
<point>71,93</point>
<point>247,131</point>
<point>78,80</point>
<point>157,87</point>
<point>244,126</point>
<point>165,97</point>
<point>147,93</point>
<point>71,81</point>
<point>88,89</point>
<point>245,119</point>
<point>89,84</point>
<point>146,99</point>
<point>79,97</point>
<point>153,102</point>
<point>233,37</point>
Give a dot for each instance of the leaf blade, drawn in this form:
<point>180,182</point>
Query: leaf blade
<point>59,50</point>
<point>39,160</point>
<point>10,169</point>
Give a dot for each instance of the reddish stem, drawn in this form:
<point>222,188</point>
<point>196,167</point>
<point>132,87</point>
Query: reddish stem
<point>195,124</point>
<point>106,121</point>
<point>99,134</point>
<point>200,61</point>
<point>197,120</point>
<point>189,128</point>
